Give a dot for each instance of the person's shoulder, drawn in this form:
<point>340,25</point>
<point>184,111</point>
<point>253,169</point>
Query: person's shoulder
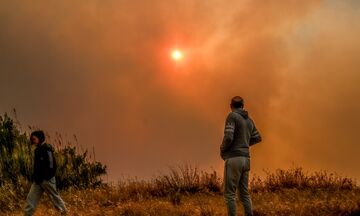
<point>232,115</point>
<point>48,146</point>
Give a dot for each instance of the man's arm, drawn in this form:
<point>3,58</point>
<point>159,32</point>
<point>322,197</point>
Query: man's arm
<point>255,136</point>
<point>228,134</point>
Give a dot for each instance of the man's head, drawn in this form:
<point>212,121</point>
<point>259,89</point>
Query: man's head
<point>37,137</point>
<point>237,102</point>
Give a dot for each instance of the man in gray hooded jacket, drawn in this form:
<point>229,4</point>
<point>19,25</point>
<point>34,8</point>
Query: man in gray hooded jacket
<point>240,133</point>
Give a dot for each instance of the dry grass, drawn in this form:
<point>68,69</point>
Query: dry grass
<point>184,190</point>
<point>297,178</point>
<point>286,202</point>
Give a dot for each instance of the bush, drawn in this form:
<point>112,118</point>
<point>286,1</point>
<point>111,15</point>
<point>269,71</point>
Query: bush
<point>17,155</point>
<point>187,179</point>
<point>297,178</point>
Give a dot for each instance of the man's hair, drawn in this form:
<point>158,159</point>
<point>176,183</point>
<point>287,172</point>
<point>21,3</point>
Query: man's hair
<point>237,102</point>
<point>39,134</point>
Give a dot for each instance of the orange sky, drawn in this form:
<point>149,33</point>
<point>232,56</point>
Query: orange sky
<point>101,70</point>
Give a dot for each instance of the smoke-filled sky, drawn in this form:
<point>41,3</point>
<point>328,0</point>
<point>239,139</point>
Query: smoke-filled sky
<point>101,69</point>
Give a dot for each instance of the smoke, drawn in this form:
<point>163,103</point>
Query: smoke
<point>101,70</point>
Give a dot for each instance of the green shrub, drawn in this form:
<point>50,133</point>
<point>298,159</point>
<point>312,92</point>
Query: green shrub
<point>16,160</point>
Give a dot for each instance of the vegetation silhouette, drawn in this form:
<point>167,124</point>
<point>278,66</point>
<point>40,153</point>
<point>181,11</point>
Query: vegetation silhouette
<point>75,168</point>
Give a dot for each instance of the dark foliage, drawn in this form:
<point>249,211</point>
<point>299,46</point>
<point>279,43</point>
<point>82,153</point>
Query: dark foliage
<point>16,160</point>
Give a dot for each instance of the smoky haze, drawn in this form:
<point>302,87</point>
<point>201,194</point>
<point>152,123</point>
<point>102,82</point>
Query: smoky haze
<point>101,70</point>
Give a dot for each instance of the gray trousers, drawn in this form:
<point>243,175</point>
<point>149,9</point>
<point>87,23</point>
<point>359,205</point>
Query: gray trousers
<point>236,179</point>
<point>36,192</point>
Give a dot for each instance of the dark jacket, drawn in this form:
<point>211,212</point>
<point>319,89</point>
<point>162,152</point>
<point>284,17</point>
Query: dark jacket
<point>240,133</point>
<point>44,163</point>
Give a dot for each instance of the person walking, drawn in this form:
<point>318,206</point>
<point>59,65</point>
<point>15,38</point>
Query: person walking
<point>240,133</point>
<point>43,176</point>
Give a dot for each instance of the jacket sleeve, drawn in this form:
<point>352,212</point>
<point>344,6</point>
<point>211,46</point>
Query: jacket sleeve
<point>228,134</point>
<point>255,136</point>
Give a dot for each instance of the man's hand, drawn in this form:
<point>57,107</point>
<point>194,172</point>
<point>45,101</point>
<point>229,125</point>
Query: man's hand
<point>255,137</point>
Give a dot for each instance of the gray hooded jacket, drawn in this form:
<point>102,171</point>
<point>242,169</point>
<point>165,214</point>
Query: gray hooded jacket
<point>240,133</point>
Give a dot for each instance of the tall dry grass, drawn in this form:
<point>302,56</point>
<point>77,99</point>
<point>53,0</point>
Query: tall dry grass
<point>280,193</point>
<point>296,177</point>
<point>283,192</point>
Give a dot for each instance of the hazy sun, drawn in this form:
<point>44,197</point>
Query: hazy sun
<point>177,55</point>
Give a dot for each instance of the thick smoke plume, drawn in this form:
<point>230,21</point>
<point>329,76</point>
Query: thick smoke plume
<point>101,69</point>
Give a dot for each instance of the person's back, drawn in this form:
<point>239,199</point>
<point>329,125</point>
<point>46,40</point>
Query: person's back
<point>244,135</point>
<point>240,133</point>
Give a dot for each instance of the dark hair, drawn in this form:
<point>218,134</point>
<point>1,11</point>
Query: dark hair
<point>237,102</point>
<point>39,134</point>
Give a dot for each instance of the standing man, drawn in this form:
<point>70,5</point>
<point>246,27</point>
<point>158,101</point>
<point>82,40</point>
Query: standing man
<point>240,133</point>
<point>44,175</point>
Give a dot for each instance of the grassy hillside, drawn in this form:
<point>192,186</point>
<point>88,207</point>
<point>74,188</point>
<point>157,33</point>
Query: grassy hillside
<point>187,191</point>
<point>181,191</point>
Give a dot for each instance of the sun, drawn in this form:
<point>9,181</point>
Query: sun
<point>177,55</point>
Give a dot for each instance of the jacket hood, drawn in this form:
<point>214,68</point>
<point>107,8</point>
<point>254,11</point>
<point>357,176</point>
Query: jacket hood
<point>242,112</point>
